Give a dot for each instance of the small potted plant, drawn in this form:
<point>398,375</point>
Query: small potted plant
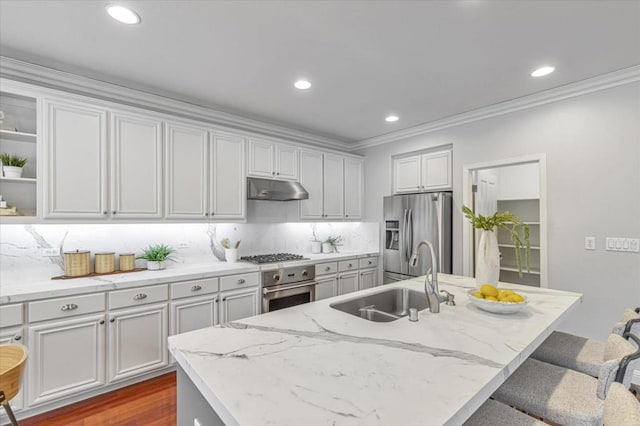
<point>12,165</point>
<point>156,256</point>
<point>331,244</point>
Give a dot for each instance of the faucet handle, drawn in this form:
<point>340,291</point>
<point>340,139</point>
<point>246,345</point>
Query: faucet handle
<point>449,301</point>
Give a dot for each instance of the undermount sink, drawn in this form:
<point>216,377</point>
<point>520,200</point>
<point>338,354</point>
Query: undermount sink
<point>384,306</point>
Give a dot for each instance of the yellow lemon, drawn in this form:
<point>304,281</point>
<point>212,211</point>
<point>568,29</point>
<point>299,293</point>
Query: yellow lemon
<point>479,295</point>
<point>503,294</point>
<point>507,292</point>
<point>489,290</point>
<point>516,298</point>
<point>491,298</point>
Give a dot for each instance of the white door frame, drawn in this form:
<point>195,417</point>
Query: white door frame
<point>467,230</point>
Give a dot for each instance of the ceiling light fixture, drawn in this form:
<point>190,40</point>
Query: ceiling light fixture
<point>542,71</point>
<point>123,14</point>
<point>391,118</point>
<point>302,84</point>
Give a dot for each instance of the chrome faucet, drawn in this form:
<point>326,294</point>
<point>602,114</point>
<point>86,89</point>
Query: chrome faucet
<point>431,284</point>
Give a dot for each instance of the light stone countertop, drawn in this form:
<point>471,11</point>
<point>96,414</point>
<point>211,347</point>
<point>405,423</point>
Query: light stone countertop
<point>24,291</point>
<point>311,364</point>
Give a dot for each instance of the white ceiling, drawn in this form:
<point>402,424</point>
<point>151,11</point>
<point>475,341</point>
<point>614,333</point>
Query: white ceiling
<point>421,60</point>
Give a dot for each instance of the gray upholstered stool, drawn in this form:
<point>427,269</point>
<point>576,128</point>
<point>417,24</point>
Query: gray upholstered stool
<point>579,353</point>
<point>494,413</point>
<point>566,396</point>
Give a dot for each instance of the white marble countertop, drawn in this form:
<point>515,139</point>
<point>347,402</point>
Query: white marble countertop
<point>22,291</point>
<point>312,364</point>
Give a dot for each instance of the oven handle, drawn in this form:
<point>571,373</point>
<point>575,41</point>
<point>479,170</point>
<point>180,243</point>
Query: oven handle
<point>266,291</point>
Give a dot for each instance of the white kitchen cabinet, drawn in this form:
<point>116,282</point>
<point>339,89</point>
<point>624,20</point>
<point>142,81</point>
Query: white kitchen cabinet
<point>137,341</point>
<point>368,279</point>
<point>75,143</point>
<point>353,188</point>
<point>66,357</point>
<point>333,183</point>
<point>311,178</point>
<point>186,166</point>
<point>136,166</point>
<point>420,173</point>
<point>238,304</point>
<point>272,160</point>
<point>228,199</point>
<point>327,287</point>
<point>347,283</point>
<point>194,313</point>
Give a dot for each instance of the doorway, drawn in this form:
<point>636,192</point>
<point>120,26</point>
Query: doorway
<point>519,186</point>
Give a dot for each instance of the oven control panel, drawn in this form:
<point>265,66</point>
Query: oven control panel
<point>288,275</point>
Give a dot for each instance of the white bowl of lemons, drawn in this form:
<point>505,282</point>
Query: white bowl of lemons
<point>491,299</point>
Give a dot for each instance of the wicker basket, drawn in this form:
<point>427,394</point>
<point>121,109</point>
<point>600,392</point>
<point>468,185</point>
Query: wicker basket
<point>12,363</point>
<point>105,263</point>
<point>127,261</point>
<point>77,263</point>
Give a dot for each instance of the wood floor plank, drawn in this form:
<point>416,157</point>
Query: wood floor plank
<point>152,402</point>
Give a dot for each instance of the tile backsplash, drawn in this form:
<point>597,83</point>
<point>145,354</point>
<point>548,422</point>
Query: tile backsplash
<point>22,246</point>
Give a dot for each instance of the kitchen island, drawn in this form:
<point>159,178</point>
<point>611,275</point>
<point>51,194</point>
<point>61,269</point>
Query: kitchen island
<point>312,364</point>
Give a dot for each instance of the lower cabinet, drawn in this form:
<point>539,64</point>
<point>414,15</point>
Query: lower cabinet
<point>347,283</point>
<point>368,279</point>
<point>327,287</point>
<point>137,341</point>
<point>238,304</point>
<point>66,357</point>
<point>193,313</point>
<point>13,335</point>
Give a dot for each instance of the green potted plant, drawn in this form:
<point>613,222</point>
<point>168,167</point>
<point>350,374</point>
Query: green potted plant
<point>156,256</point>
<point>12,165</point>
<point>331,244</point>
<point>488,262</point>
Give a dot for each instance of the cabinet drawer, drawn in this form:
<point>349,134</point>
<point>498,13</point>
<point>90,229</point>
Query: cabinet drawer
<point>239,281</point>
<point>326,268</point>
<point>11,315</point>
<point>65,307</point>
<point>369,262</point>
<point>194,288</point>
<point>348,265</point>
<point>137,296</point>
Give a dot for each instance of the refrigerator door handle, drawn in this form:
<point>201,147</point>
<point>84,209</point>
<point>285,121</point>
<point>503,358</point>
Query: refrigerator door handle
<point>410,225</point>
<point>437,199</point>
<point>405,234</point>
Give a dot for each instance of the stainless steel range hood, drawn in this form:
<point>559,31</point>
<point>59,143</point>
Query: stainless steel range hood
<point>275,190</point>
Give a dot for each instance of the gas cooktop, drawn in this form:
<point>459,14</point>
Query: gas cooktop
<point>272,258</point>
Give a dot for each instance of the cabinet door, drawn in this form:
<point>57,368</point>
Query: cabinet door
<point>326,287</point>
<point>15,335</point>
<point>286,162</point>
<point>261,159</point>
<point>136,166</point>
<point>333,179</point>
<point>436,171</point>
<point>65,357</point>
<point>75,161</point>
<point>311,172</point>
<point>228,184</point>
<point>193,313</point>
<point>347,283</point>
<point>368,279</point>
<point>353,188</point>
<point>239,304</point>
<point>137,341</point>
<point>186,172</point>
<point>407,174</point>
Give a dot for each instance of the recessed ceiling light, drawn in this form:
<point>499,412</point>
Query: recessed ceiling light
<point>123,14</point>
<point>391,118</point>
<point>302,84</point>
<point>542,71</point>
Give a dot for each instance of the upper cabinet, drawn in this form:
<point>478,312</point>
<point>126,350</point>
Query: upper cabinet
<point>353,188</point>
<point>228,197</point>
<point>311,178</point>
<point>421,173</point>
<point>333,186</point>
<point>272,160</point>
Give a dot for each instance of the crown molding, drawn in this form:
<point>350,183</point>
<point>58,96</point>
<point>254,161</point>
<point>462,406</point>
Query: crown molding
<point>590,85</point>
<point>14,69</point>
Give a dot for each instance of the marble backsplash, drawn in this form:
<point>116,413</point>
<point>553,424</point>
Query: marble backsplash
<point>22,246</point>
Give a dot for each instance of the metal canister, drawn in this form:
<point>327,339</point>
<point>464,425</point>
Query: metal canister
<point>77,263</point>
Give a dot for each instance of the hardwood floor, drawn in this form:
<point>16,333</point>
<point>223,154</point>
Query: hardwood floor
<point>150,403</point>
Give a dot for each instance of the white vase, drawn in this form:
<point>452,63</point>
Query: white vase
<point>488,263</point>
<point>153,265</point>
<point>231,255</point>
<point>316,247</point>
<point>12,172</point>
<point>327,248</point>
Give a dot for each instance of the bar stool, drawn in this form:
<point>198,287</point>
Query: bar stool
<point>579,353</point>
<point>12,362</point>
<point>566,396</point>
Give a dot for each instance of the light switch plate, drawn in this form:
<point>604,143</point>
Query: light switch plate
<point>183,244</point>
<point>623,244</point>
<point>51,251</point>
<point>589,243</point>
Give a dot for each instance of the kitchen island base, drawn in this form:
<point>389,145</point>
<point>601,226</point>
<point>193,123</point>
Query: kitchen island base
<point>192,406</point>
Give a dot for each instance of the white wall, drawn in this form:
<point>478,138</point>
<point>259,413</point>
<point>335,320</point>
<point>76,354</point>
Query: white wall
<point>592,143</point>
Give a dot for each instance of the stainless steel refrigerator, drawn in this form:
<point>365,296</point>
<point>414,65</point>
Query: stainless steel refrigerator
<point>409,219</point>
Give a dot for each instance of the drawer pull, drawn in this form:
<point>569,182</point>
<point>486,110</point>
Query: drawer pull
<point>350,265</point>
<point>17,338</point>
<point>241,281</point>
<point>139,296</point>
<point>69,307</point>
<point>101,322</point>
<point>196,288</point>
<point>112,320</point>
<point>328,268</point>
<point>369,262</point>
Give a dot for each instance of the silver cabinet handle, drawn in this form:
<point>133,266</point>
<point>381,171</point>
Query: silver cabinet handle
<point>69,307</point>
<point>101,322</point>
<point>327,268</point>
<point>369,262</point>
<point>18,337</point>
<point>196,288</point>
<point>350,265</point>
<point>241,281</point>
<point>139,296</point>
<point>113,212</point>
<point>104,212</point>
